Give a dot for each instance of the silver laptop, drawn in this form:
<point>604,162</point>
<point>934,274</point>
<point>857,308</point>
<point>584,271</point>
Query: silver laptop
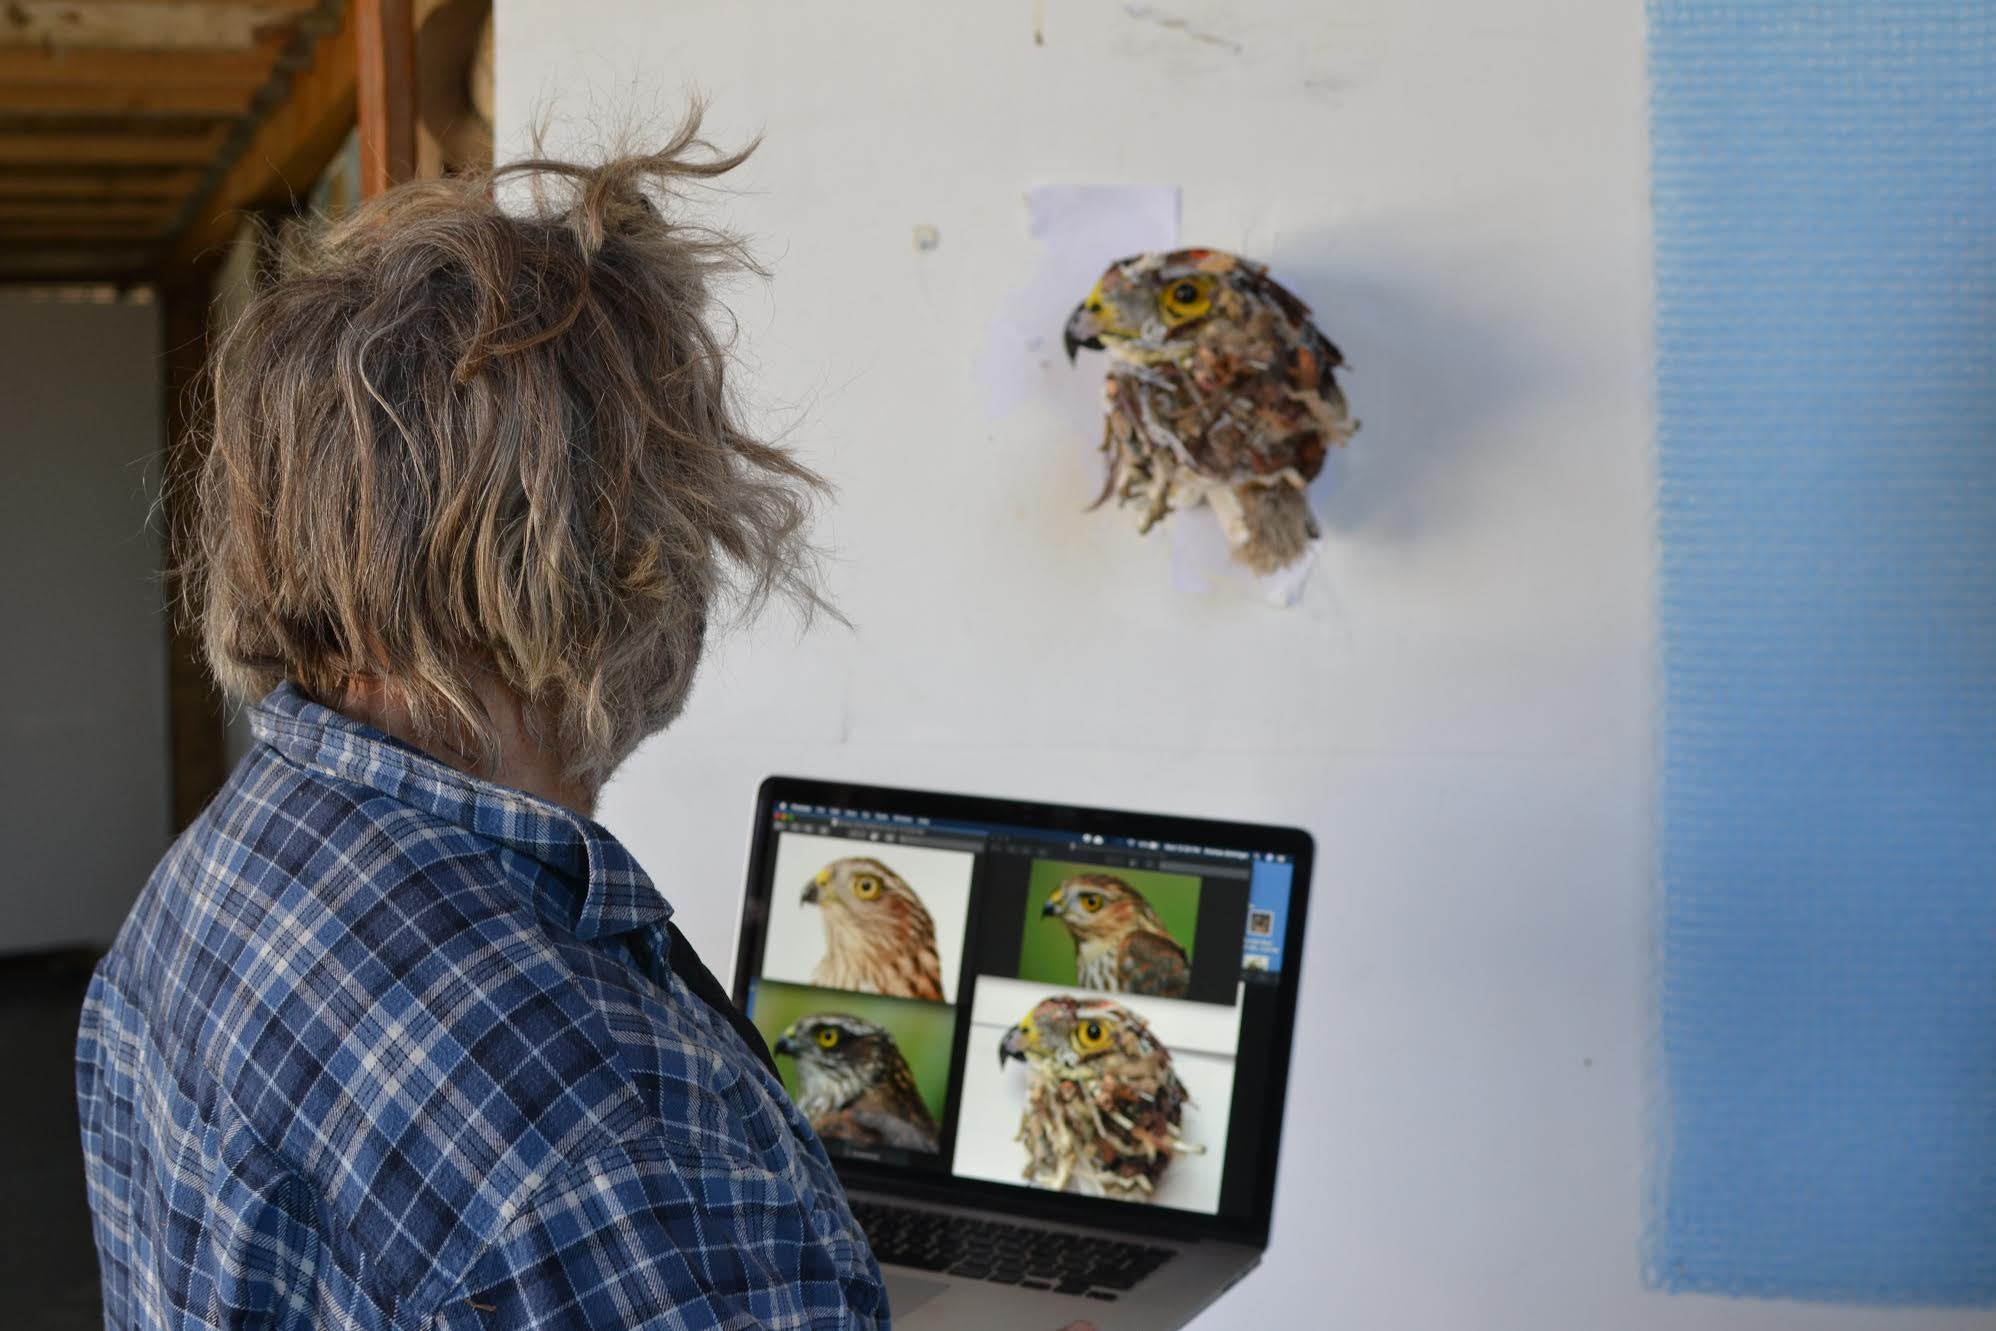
<point>1045,1046</point>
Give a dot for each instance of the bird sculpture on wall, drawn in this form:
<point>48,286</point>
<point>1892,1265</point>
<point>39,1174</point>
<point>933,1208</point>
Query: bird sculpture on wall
<point>854,1085</point>
<point>1220,391</point>
<point>1119,942</point>
<point>879,938</point>
<point>1104,1106</point>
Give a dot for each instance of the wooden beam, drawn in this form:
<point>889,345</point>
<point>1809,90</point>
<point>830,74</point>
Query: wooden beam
<point>123,99</point>
<point>97,149</point>
<point>20,64</point>
<point>97,184</point>
<point>139,27</point>
<point>290,148</point>
<point>71,233</point>
<point>275,6</point>
<point>153,215</point>
<point>386,48</point>
<point>68,240</point>
<point>73,263</point>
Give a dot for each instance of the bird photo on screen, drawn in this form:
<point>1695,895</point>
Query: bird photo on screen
<point>1119,942</point>
<point>1220,391</point>
<point>855,1086</point>
<point>879,938</point>
<point>1104,1107</point>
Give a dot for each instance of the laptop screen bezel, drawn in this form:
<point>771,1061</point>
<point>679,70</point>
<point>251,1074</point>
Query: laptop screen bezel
<point>950,1188</point>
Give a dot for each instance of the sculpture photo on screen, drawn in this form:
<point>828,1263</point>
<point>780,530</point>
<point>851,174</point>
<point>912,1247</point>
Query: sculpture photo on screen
<point>869,916</point>
<point>1122,930</point>
<point>865,1069</point>
<point>1104,1095</point>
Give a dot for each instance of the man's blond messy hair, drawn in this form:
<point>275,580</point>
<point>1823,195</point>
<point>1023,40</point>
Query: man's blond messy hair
<point>454,441</point>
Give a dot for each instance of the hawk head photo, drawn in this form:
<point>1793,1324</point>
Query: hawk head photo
<point>854,1084</point>
<point>1119,942</point>
<point>1220,391</point>
<point>1103,1104</point>
<point>879,938</point>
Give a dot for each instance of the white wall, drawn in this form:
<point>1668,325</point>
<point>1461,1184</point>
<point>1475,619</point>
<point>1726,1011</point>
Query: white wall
<point>1460,707</point>
<point>83,728</point>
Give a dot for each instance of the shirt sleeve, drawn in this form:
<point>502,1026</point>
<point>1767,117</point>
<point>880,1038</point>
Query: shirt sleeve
<point>640,1236</point>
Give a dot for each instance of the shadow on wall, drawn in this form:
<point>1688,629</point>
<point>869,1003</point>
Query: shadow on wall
<point>1425,453</point>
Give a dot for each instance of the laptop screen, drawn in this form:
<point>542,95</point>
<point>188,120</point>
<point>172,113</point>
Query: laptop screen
<point>1071,1001</point>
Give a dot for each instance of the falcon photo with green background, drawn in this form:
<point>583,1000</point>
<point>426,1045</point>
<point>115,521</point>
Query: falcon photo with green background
<point>1123,929</point>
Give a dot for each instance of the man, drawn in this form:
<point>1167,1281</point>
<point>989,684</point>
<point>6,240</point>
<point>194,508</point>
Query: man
<point>396,1036</point>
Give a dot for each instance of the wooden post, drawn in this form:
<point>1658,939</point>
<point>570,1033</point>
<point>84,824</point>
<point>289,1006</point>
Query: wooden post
<point>195,718</point>
<point>386,92</point>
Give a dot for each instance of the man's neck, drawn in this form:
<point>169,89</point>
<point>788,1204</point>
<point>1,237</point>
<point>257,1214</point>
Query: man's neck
<point>523,763</point>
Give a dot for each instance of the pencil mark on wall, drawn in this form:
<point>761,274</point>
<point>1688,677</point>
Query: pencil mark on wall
<point>1330,89</point>
<point>1184,27</point>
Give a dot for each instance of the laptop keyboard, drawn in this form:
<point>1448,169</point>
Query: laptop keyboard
<point>1006,1254</point>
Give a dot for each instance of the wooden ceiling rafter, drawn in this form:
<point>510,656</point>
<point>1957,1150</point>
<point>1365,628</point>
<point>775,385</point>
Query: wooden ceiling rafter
<point>168,184</point>
<point>154,123</point>
<point>21,147</point>
<point>201,25</point>
<point>83,210</point>
<point>183,115</point>
<point>71,235</point>
<point>312,108</point>
<point>67,64</point>
<point>122,101</point>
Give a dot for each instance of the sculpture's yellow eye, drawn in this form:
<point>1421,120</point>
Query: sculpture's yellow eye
<point>1091,1037</point>
<point>866,887</point>
<point>828,1037</point>
<point>1187,298</point>
<point>1091,902</point>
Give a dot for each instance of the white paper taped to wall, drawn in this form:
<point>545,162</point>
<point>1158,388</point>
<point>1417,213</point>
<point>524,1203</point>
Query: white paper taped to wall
<point>1081,230</point>
<point>1202,562</point>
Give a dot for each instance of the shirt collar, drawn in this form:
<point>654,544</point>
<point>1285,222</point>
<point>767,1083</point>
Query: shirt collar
<point>615,896</point>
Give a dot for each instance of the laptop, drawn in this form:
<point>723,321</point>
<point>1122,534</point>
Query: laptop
<point>1045,1046</point>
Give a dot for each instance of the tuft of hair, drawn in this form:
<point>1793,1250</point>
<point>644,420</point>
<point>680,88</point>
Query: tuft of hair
<point>452,440</point>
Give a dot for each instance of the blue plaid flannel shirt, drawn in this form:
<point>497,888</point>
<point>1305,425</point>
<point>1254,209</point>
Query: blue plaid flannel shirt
<point>385,1046</point>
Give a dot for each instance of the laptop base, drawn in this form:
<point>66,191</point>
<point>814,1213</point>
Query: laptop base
<point>1165,1300</point>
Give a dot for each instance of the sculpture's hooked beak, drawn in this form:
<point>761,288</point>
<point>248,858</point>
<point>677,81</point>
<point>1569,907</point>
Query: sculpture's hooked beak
<point>1085,326</point>
<point>1017,1041</point>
